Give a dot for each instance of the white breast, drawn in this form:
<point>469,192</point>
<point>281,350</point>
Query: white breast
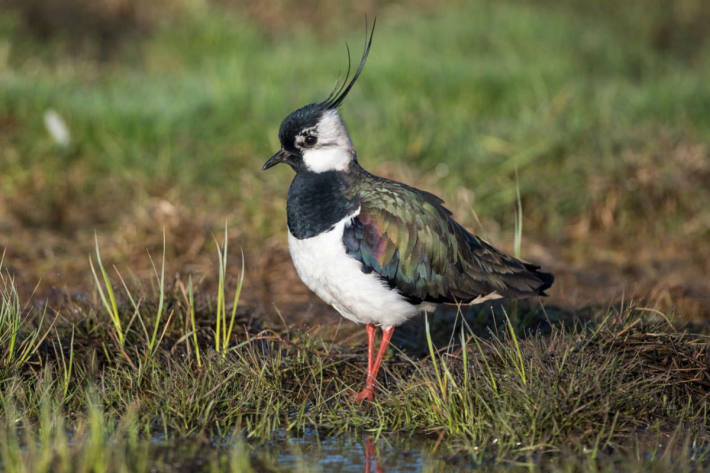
<point>325,267</point>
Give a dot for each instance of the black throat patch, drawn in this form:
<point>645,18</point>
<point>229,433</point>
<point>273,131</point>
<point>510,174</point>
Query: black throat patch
<point>317,201</point>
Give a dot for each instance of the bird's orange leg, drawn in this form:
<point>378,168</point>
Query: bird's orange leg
<point>370,359</point>
<point>370,347</point>
<point>369,390</point>
<point>386,337</point>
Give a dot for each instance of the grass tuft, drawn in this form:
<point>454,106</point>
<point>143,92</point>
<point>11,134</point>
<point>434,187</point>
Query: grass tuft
<point>18,340</point>
<point>108,298</point>
<point>223,330</point>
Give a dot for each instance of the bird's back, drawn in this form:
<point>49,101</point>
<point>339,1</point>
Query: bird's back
<point>411,241</point>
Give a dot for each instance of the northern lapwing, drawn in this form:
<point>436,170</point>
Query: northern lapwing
<point>377,250</point>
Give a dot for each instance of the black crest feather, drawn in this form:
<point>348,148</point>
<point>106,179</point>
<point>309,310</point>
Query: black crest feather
<point>341,91</point>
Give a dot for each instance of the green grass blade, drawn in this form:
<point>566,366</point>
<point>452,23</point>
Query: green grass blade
<point>235,302</point>
<point>191,302</point>
<point>108,298</point>
<point>432,353</point>
<point>518,361</point>
<point>161,299</point>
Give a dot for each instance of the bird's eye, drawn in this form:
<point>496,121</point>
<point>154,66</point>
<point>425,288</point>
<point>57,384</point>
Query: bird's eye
<point>310,140</point>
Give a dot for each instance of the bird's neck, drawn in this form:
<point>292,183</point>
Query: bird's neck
<point>317,201</point>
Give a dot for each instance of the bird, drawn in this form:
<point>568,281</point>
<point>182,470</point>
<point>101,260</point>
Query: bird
<point>379,251</point>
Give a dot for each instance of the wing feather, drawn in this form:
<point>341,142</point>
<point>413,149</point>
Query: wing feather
<point>410,239</point>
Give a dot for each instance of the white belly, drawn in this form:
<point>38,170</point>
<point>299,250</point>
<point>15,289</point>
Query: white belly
<point>325,267</point>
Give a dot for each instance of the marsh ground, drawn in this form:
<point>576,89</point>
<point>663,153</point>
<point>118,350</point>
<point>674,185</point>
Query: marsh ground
<point>599,115</point>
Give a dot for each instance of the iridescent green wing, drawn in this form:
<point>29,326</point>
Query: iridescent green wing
<point>410,239</point>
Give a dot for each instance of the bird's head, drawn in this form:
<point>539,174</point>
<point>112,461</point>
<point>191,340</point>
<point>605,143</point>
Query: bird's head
<point>314,137</point>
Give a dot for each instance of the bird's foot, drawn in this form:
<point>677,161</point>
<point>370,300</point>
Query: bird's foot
<point>365,394</point>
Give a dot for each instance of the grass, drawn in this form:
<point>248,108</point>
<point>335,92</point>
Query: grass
<point>223,332</point>
<point>17,349</point>
<point>587,125</point>
<point>108,298</point>
<point>176,131</point>
<point>96,445</point>
<point>518,88</point>
<point>585,394</point>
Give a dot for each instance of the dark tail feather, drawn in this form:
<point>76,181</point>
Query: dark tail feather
<point>545,279</point>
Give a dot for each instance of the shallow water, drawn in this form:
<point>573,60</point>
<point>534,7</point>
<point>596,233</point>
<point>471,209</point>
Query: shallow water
<point>311,453</point>
<point>346,454</point>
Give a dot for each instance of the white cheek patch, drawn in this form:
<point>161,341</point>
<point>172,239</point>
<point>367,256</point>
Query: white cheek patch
<point>334,150</point>
<point>327,159</point>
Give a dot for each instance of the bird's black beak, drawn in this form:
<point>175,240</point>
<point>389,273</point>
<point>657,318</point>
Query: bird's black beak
<point>279,157</point>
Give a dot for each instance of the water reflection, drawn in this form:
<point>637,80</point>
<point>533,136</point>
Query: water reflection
<point>342,454</point>
<point>309,452</point>
<point>370,456</point>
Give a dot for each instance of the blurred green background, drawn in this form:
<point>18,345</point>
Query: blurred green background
<point>599,112</point>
